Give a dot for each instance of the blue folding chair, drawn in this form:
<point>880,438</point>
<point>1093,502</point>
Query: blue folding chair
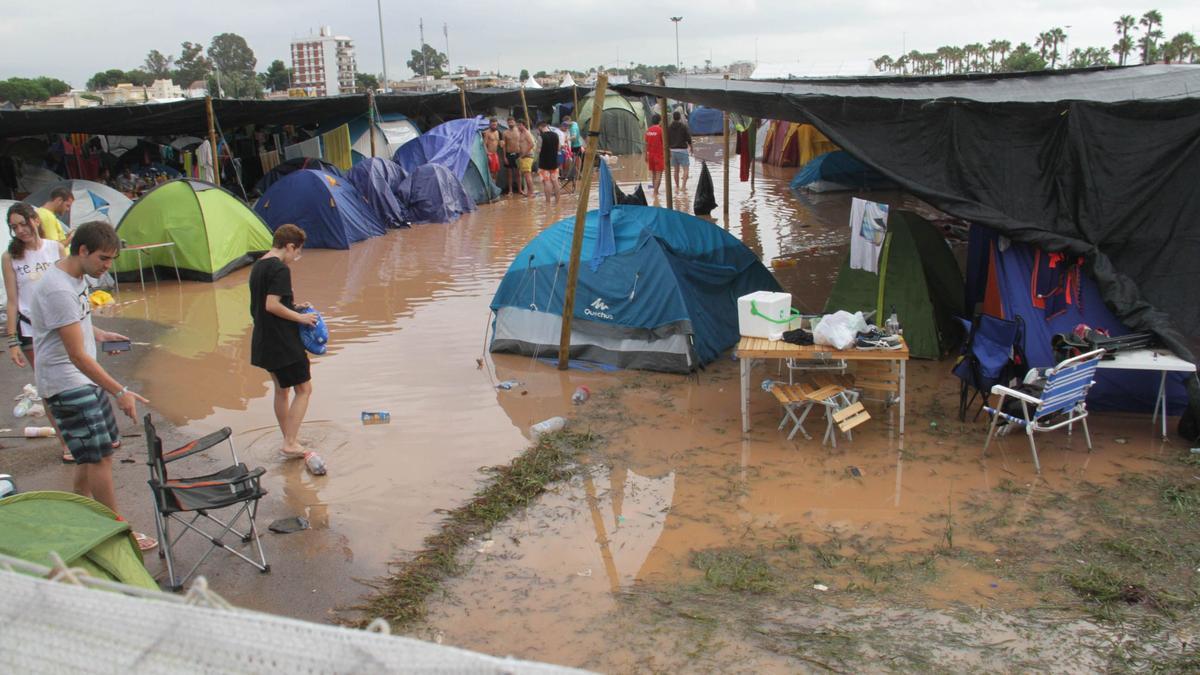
<point>990,355</point>
<point>1063,401</point>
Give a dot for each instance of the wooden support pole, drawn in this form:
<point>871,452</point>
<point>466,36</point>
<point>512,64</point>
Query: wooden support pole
<point>528,123</point>
<point>584,190</point>
<point>574,103</point>
<point>753,140</point>
<point>666,146</point>
<point>725,155</point>
<point>212,140</point>
<point>371,119</point>
<point>462,97</point>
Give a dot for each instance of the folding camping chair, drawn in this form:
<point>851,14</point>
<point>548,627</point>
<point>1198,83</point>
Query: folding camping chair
<point>843,411</point>
<point>990,355</point>
<point>233,487</point>
<point>1063,401</point>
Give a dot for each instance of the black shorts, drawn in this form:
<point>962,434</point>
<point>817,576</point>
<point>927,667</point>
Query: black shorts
<point>292,374</point>
<point>86,421</point>
<point>510,159</point>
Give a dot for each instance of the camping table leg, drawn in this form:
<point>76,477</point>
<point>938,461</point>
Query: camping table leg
<point>141,269</point>
<point>745,364</point>
<point>1160,404</point>
<point>903,392</point>
<point>175,262</point>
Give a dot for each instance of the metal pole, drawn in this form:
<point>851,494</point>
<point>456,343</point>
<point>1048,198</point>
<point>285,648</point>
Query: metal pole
<point>371,122</point>
<point>662,106</point>
<point>212,139</point>
<point>725,141</point>
<point>382,51</point>
<point>424,61</point>
<point>752,138</point>
<point>678,63</point>
<point>585,186</point>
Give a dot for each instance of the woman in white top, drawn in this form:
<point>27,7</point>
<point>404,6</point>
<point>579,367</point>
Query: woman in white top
<point>29,255</point>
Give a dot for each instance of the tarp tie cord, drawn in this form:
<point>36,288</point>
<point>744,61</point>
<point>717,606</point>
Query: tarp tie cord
<point>633,290</point>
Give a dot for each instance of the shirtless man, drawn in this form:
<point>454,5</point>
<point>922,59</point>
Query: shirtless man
<point>511,142</point>
<point>491,143</point>
<point>525,160</point>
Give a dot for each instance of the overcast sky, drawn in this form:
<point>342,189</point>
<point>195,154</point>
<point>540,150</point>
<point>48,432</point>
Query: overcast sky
<point>73,39</point>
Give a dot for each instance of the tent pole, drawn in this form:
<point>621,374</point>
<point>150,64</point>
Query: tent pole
<point>584,190</point>
<point>528,124</point>
<point>212,139</point>
<point>371,119</point>
<point>753,153</point>
<point>662,106</point>
<point>462,97</point>
<point>575,102</point>
<point>725,155</point>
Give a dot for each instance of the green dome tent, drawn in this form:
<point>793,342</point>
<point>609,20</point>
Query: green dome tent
<point>213,231</point>
<point>918,275</point>
<point>623,126</point>
<point>84,532</point>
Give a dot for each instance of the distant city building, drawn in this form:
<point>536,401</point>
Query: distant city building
<point>70,100</point>
<point>324,65</point>
<point>197,89</point>
<point>131,94</point>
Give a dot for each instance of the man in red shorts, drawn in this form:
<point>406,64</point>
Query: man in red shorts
<point>654,152</point>
<point>491,143</point>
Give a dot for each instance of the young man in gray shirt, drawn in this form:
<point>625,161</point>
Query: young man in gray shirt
<point>69,379</point>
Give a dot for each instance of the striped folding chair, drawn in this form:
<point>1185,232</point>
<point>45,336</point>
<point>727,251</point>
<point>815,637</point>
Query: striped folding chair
<point>1063,402</point>
<point>202,497</point>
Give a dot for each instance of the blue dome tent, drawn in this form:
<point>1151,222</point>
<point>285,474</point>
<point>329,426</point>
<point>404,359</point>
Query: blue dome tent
<point>327,208</point>
<point>666,300</point>
<point>705,121</point>
<point>457,146</point>
<point>432,194</point>
<point>838,170</point>
<point>378,181</point>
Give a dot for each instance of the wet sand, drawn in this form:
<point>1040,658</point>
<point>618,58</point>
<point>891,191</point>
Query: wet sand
<point>408,313</point>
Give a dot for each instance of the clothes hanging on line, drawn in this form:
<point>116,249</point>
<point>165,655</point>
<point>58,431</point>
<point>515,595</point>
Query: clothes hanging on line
<point>868,229</point>
<point>337,147</point>
<point>310,148</point>
<point>269,159</point>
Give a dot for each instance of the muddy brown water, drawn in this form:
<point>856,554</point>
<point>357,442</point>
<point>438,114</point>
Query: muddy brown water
<point>407,314</point>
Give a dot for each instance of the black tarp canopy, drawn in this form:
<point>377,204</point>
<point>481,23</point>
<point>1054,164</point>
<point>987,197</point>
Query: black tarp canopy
<point>188,117</point>
<point>1103,163</point>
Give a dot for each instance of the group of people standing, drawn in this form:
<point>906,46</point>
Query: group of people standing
<point>679,142</point>
<point>551,150</point>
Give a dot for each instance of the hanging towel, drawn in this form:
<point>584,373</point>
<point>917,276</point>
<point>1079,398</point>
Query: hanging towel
<point>337,147</point>
<point>745,153</point>
<point>606,243</point>
<point>269,159</point>
<point>204,161</point>
<point>310,148</point>
<point>868,228</point>
<point>706,198</point>
<point>187,164</point>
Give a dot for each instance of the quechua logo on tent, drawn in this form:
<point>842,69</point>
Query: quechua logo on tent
<point>598,309</point>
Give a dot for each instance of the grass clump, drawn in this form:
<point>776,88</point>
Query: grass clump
<point>735,570</point>
<point>400,597</point>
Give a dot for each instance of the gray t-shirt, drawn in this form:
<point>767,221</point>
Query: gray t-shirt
<point>59,299</point>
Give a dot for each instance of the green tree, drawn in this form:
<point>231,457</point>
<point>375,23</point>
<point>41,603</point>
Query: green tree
<point>21,90</point>
<point>884,63</point>
<point>277,78</point>
<point>428,61</point>
<point>1124,43</point>
<point>56,87</point>
<point>235,85</point>
<point>105,79</point>
<point>366,81</point>
<point>230,54</point>
<point>524,75</point>
<point>158,64</point>
<point>138,78</point>
<point>1023,59</point>
<point>191,65</point>
<point>1152,35</point>
<point>1181,48</point>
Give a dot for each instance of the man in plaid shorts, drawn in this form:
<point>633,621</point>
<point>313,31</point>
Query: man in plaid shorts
<point>74,385</point>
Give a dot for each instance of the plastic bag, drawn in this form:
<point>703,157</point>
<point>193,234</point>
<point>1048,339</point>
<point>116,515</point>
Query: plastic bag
<point>838,330</point>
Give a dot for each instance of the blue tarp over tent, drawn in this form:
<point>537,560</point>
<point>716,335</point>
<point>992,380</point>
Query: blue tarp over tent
<point>378,180</point>
<point>1114,389</point>
<point>665,301</point>
<point>433,195</point>
<point>705,121</point>
<point>457,146</point>
<point>327,208</point>
<point>837,170</point>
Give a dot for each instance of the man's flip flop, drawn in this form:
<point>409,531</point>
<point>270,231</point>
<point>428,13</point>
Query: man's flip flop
<point>145,542</point>
<point>67,459</point>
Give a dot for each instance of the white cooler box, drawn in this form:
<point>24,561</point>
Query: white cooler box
<point>763,313</point>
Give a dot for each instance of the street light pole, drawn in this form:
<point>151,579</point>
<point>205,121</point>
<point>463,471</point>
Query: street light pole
<point>678,64</point>
<point>382,50</point>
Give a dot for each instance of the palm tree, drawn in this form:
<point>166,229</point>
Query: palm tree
<point>975,52</point>
<point>1181,48</point>
<point>1123,26</point>
<point>900,65</point>
<point>884,63</point>
<point>1043,44</point>
<point>1004,47</point>
<point>916,61</point>
<point>1057,37</point>
<point>1150,39</point>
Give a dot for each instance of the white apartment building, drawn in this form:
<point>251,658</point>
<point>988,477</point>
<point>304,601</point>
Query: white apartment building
<point>323,64</point>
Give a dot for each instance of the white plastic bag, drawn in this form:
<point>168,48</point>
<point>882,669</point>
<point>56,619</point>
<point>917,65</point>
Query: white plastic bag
<point>838,330</point>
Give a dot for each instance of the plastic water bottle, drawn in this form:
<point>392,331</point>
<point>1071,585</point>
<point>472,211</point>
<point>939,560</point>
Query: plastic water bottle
<point>39,432</point>
<point>547,427</point>
<point>892,325</point>
<point>581,394</point>
<point>376,417</point>
<point>315,464</point>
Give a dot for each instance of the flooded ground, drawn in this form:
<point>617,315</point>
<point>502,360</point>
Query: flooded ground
<point>684,543</point>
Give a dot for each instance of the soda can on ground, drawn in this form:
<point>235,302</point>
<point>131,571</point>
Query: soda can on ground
<point>376,417</point>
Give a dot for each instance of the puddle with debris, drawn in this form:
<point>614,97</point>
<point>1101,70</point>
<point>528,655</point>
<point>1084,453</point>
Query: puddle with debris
<point>570,579</point>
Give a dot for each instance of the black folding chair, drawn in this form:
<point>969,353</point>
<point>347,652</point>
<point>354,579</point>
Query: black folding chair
<point>235,487</point>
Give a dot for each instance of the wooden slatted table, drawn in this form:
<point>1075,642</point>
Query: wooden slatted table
<point>751,349</point>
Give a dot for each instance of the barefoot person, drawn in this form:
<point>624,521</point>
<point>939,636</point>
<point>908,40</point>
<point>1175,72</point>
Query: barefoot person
<point>28,257</point>
<point>526,146</point>
<point>654,152</point>
<point>548,160</point>
<point>680,139</point>
<point>491,144</point>
<point>275,344</point>
<point>511,141</point>
<point>74,385</point>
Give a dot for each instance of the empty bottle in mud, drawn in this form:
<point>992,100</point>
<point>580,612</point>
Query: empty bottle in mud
<point>547,427</point>
<point>581,394</point>
<point>315,464</point>
<point>376,417</point>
